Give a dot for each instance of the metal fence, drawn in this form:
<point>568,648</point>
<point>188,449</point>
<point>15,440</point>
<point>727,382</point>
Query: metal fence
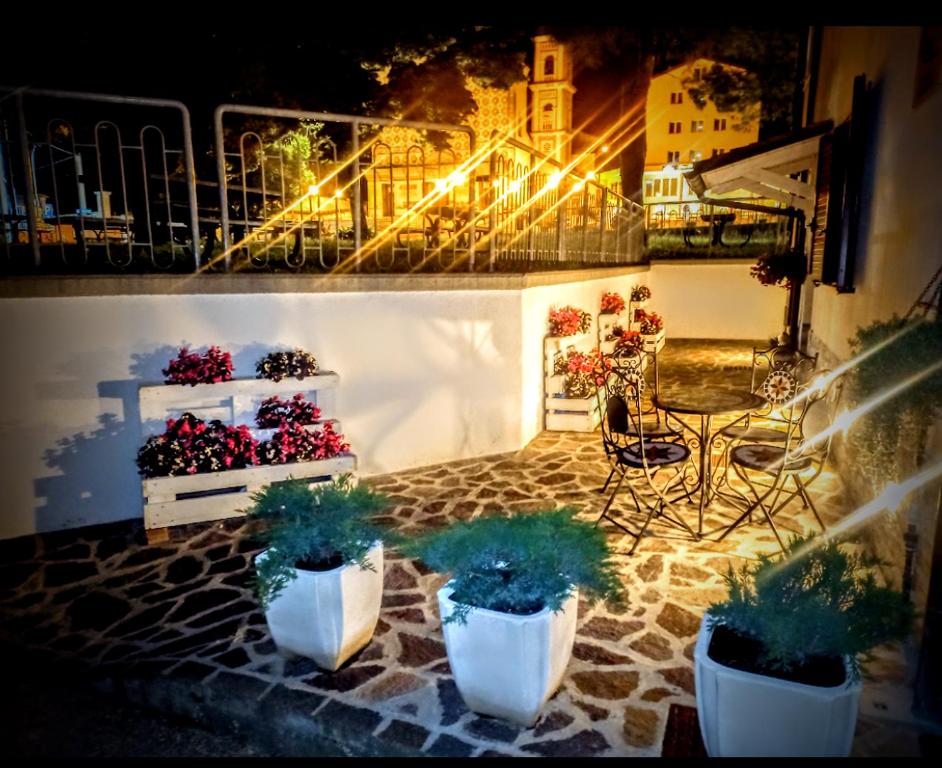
<point>114,183</point>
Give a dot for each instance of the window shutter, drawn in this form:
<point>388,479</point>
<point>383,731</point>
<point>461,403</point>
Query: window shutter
<point>841,157</point>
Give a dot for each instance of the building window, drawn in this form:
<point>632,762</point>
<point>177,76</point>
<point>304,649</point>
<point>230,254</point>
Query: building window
<point>715,153</point>
<point>673,127</point>
<point>657,187</point>
<point>696,126</point>
<point>547,117</point>
<point>677,98</point>
<point>719,124</point>
<point>695,156</point>
<point>648,189</point>
<point>673,157</point>
<point>549,66</point>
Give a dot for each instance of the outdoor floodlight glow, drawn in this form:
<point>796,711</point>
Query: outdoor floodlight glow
<point>313,190</point>
<point>554,179</point>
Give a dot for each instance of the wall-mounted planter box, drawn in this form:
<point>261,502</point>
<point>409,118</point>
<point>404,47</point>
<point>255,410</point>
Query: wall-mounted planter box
<point>215,495</point>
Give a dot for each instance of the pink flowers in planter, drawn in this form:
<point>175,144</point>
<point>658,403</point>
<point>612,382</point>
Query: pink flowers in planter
<point>193,368</point>
<point>640,293</point>
<point>190,445</point>
<point>585,372</point>
<point>630,340</point>
<point>568,321</point>
<point>612,303</point>
<point>292,442</point>
<point>275,412</point>
<point>651,322</point>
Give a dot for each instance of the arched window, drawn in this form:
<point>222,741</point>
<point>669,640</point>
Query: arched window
<point>549,66</point>
<point>547,124</point>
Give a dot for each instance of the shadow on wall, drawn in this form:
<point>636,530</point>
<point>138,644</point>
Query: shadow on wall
<point>97,478</point>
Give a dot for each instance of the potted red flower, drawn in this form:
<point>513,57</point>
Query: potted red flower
<point>568,321</point>
<point>612,303</point>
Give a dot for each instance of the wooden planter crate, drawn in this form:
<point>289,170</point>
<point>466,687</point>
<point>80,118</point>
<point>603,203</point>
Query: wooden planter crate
<point>567,413</point>
<point>214,495</point>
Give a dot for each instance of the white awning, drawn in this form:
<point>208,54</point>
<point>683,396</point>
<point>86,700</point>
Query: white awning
<point>764,168</point>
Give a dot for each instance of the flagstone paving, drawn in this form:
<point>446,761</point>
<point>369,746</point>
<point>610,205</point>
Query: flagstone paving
<point>185,608</point>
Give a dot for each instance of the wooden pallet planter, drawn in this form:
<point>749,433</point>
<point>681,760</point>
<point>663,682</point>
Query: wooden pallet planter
<point>208,496</point>
<point>572,414</point>
<point>654,342</point>
<point>566,413</point>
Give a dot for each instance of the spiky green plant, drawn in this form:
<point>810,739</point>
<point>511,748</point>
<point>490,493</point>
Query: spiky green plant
<point>820,601</point>
<point>329,523</point>
<point>521,563</point>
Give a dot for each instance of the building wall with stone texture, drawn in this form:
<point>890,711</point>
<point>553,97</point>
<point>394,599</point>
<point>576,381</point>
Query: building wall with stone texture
<point>899,242</point>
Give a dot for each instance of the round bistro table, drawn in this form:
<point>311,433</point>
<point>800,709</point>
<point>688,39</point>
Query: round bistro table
<point>706,402</point>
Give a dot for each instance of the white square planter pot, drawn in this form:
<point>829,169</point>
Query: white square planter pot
<point>505,665</point>
<point>748,715</point>
<point>328,616</point>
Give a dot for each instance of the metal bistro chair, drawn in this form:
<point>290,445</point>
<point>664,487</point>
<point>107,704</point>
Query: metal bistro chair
<point>655,425</point>
<point>785,369</point>
<point>629,449</point>
<point>798,460</point>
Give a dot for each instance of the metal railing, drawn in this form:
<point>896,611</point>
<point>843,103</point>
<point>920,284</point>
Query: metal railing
<point>293,190</point>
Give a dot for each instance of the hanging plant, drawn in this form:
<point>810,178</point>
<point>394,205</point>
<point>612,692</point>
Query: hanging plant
<point>878,433</point>
<point>789,268</point>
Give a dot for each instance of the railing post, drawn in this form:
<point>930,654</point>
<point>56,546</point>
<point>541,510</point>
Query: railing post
<point>561,230</point>
<point>603,217</point>
<point>223,190</point>
<point>492,214</point>
<point>585,221</point>
<point>357,232</point>
<point>30,181</point>
<point>190,167</point>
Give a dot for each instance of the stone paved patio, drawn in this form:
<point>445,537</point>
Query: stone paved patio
<point>184,610</point>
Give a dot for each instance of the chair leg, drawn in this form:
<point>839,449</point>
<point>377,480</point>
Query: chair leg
<point>808,503</point>
<point>607,480</point>
<point>611,499</point>
<point>748,513</point>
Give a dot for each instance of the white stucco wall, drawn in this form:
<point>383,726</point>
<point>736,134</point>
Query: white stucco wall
<point>425,376</point>
<point>900,238</point>
<point>718,300</point>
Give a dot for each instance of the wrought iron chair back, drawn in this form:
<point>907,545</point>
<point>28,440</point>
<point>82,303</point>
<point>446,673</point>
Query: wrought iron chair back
<point>800,457</point>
